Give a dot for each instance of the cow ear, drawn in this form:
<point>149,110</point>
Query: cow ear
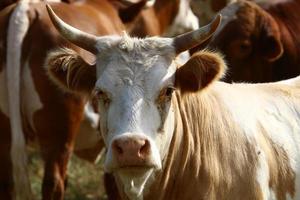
<point>202,69</point>
<point>69,71</point>
<point>272,48</point>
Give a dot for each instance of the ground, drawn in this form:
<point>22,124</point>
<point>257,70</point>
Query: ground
<point>84,179</point>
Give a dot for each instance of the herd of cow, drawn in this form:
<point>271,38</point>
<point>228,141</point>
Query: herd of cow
<point>74,77</point>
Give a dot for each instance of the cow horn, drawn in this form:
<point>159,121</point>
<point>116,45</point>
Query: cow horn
<point>75,36</point>
<point>191,39</point>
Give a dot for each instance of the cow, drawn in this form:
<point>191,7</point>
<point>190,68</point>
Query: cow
<point>87,144</point>
<point>205,10</point>
<point>260,41</point>
<point>177,132</point>
<point>32,109</point>
<point>160,17</point>
<point>168,18</point>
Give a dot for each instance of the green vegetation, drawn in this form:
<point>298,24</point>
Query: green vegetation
<point>84,179</point>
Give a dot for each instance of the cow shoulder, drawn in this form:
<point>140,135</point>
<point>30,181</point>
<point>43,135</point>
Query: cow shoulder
<point>69,71</point>
<point>202,69</point>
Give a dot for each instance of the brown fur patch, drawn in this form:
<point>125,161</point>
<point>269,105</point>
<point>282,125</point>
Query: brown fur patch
<point>260,42</point>
<point>69,71</point>
<point>200,71</point>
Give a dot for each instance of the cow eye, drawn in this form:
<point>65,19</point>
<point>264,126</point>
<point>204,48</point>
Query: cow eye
<point>165,95</point>
<point>102,96</point>
<point>169,91</point>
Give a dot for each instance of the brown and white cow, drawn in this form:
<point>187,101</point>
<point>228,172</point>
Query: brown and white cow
<point>260,42</point>
<point>179,133</point>
<point>165,17</point>
<point>31,106</point>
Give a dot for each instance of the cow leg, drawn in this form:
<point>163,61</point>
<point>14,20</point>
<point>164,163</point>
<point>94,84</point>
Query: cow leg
<point>55,174</point>
<point>6,179</point>
<point>56,134</point>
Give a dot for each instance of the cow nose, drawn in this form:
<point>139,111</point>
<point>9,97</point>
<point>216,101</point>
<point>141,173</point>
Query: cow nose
<point>131,151</point>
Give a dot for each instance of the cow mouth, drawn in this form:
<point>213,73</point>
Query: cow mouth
<point>136,168</point>
<point>134,179</point>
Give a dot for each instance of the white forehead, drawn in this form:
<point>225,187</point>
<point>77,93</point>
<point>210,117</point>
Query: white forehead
<point>144,63</point>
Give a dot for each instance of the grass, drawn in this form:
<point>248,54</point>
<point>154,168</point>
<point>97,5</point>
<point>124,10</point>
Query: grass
<point>85,180</point>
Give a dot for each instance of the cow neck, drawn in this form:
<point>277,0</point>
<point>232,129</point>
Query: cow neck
<point>201,158</point>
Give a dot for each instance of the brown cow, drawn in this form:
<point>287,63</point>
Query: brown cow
<point>260,43</point>
<point>205,10</point>
<point>178,133</point>
<point>30,103</point>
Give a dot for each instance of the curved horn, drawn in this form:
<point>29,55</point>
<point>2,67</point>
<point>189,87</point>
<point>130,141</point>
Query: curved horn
<point>75,36</point>
<point>191,39</point>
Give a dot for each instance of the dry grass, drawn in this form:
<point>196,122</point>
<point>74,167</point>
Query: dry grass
<point>84,179</point>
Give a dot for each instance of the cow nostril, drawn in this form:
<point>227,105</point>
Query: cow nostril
<point>119,150</point>
<point>144,150</point>
<point>131,147</point>
<point>117,147</point>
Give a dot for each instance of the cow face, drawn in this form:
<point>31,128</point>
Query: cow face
<point>133,81</point>
<point>250,40</point>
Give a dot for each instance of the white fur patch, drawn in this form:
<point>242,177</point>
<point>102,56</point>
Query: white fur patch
<point>185,20</point>
<point>18,26</point>
<point>279,118</point>
<point>262,175</point>
<point>134,185</point>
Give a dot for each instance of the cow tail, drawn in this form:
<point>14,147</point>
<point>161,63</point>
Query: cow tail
<point>18,26</point>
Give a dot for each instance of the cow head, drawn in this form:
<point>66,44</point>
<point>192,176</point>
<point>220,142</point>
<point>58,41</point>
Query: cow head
<point>250,39</point>
<point>133,81</point>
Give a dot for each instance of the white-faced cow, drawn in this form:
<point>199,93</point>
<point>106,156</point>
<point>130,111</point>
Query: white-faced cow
<point>177,132</point>
<point>48,115</point>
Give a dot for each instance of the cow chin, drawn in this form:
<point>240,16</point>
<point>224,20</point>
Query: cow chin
<point>134,181</point>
